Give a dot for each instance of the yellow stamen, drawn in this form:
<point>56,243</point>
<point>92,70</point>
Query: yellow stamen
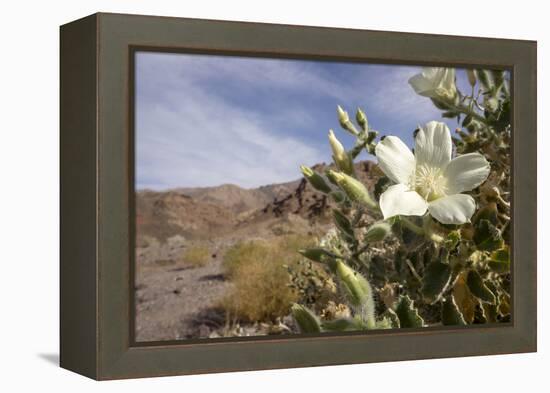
<point>429,182</point>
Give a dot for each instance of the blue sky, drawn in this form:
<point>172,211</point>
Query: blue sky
<point>205,120</point>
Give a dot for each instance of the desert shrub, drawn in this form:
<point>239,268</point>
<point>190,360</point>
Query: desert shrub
<point>434,266</point>
<point>243,253</point>
<point>260,292</point>
<point>258,270</point>
<point>196,256</point>
<point>281,248</point>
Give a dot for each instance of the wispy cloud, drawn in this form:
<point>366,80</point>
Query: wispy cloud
<point>208,120</point>
<point>198,139</point>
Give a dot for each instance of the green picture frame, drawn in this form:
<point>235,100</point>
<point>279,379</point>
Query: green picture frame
<point>97,193</point>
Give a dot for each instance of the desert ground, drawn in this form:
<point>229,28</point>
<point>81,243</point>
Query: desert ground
<point>183,236</point>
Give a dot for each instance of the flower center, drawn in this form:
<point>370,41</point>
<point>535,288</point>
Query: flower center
<point>429,182</point>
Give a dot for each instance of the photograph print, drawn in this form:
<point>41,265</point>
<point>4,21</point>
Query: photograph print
<point>282,197</point>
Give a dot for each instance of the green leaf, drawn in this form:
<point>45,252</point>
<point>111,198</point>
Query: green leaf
<point>490,312</point>
<point>487,237</point>
<point>390,318</point>
<point>450,315</point>
<point>343,325</point>
<point>408,314</point>
<point>408,238</point>
<point>488,212</point>
<point>440,104</point>
<point>450,114</point>
<point>306,319</point>
<point>437,277</point>
<point>452,240</point>
<point>467,121</point>
<point>499,260</point>
<point>399,261</point>
<point>342,222</point>
<point>463,298</point>
<point>498,78</point>
<point>315,254</point>
<point>338,196</point>
<point>381,185</point>
<point>377,268</point>
<point>485,78</point>
<point>504,307</point>
<point>503,120</point>
<point>478,288</point>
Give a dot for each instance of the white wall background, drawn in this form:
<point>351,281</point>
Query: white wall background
<point>29,194</point>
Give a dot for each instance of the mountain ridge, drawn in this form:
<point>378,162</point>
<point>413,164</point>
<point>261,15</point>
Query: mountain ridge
<point>206,212</point>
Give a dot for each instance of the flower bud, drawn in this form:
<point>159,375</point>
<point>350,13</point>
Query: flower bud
<point>358,290</point>
<point>314,254</point>
<point>357,286</point>
<point>346,124</point>
<point>485,79</point>
<point>354,189</point>
<point>330,176</point>
<point>306,319</point>
<point>362,119</point>
<point>315,179</point>
<point>342,115</point>
<point>341,158</point>
<point>471,77</point>
<point>377,232</point>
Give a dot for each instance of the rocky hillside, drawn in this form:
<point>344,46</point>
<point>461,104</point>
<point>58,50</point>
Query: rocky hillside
<point>202,213</point>
<point>305,201</point>
<point>239,199</point>
<point>162,215</point>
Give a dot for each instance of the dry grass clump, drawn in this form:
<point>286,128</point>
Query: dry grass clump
<point>261,282</point>
<point>196,256</point>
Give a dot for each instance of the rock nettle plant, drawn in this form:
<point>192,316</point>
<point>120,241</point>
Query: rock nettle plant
<point>428,245</point>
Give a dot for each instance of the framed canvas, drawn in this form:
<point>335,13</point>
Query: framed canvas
<point>242,196</point>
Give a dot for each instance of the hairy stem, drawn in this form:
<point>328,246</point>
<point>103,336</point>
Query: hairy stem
<point>412,226</point>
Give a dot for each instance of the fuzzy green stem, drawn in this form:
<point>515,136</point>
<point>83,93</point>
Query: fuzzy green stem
<point>412,226</point>
<point>468,111</point>
<point>429,232</point>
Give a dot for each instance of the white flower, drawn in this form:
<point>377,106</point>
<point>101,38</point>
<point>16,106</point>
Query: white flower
<point>435,82</point>
<point>429,180</point>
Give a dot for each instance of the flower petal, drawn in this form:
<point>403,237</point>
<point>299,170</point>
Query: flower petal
<point>399,200</point>
<point>466,172</point>
<point>421,85</point>
<point>453,209</point>
<point>447,81</point>
<point>433,145</point>
<point>426,82</point>
<point>395,159</point>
